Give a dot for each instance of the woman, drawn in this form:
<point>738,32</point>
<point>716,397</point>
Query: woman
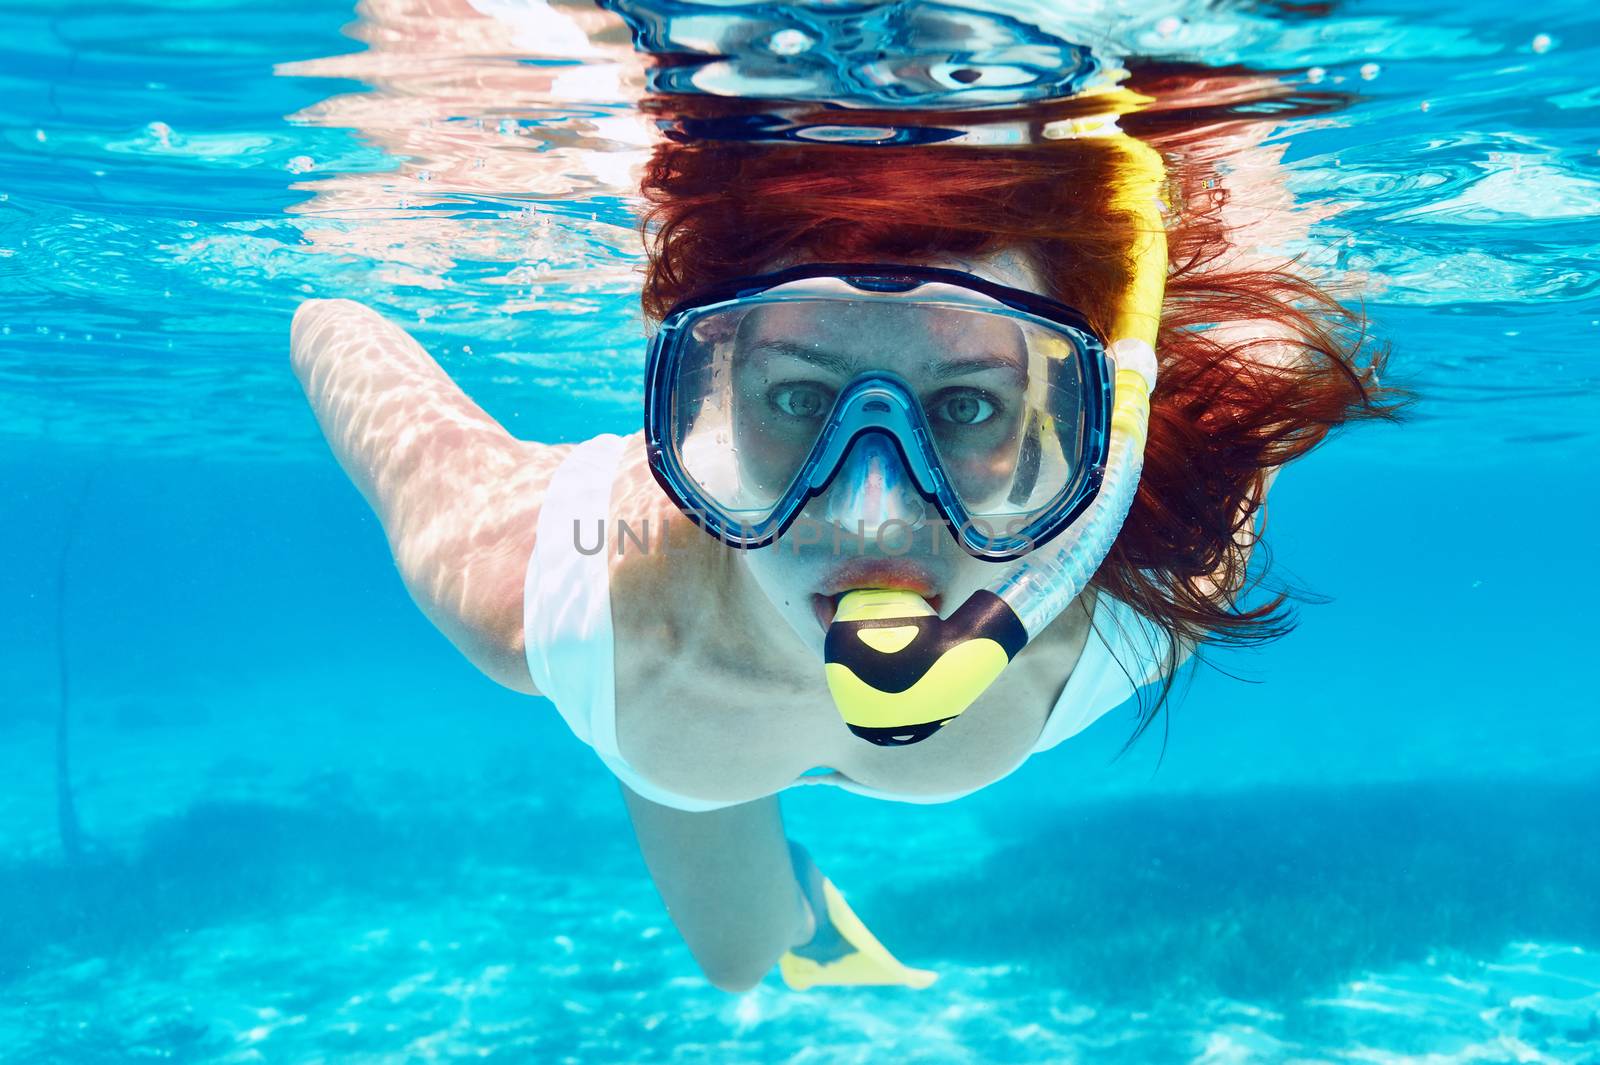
<point>1003,304</point>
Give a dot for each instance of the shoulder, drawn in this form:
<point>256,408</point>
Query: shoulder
<point>463,553</point>
<point>654,547</point>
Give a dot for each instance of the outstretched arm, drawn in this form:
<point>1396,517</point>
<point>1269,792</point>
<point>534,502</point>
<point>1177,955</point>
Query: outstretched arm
<point>457,495</point>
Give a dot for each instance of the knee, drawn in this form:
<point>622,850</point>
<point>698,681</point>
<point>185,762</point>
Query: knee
<point>735,975</point>
<point>733,981</point>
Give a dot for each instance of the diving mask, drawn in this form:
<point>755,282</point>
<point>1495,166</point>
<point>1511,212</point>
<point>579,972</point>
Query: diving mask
<point>997,400</point>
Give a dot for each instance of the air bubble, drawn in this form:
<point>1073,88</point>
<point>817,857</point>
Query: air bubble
<point>1169,25</point>
<point>1541,43</point>
<point>1369,71</point>
<point>790,42</point>
<point>39,136</point>
<point>161,132</point>
<point>424,175</point>
<point>300,164</point>
<point>1316,74</point>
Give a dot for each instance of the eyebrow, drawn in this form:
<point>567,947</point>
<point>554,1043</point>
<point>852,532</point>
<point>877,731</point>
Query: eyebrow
<point>842,365</point>
<point>976,364</point>
<point>845,365</point>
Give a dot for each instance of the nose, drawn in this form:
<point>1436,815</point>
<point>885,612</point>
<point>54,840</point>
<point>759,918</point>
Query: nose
<point>874,488</point>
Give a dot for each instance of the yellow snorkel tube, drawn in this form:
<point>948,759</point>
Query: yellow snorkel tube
<point>897,671</point>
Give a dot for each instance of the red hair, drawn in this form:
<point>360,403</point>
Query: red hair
<point>1222,414</point>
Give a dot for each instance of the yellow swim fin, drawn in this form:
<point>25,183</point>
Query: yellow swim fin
<point>846,954</point>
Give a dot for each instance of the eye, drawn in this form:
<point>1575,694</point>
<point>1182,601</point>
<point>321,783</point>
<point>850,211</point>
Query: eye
<point>801,400</point>
<point>963,407</point>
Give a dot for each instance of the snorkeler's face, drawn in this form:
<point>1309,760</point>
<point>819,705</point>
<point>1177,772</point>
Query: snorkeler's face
<point>792,360</point>
<point>871,528</point>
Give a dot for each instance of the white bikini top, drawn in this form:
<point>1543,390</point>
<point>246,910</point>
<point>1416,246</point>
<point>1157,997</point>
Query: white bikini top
<point>567,626</point>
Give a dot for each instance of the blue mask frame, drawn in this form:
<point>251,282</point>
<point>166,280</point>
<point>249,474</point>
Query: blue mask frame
<point>879,402</point>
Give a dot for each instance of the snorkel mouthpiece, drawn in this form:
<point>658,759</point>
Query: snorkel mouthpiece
<point>898,673</point>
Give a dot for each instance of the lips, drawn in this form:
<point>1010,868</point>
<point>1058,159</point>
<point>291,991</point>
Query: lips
<point>873,573</point>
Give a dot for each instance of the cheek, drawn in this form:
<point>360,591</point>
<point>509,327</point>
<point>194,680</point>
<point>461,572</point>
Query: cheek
<point>969,574</point>
<point>785,579</point>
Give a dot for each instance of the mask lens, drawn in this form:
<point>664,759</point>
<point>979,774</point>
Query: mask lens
<point>1011,448</point>
<point>757,383</point>
<point>751,399</point>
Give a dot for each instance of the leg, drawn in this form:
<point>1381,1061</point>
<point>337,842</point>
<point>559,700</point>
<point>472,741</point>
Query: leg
<point>841,951</point>
<point>728,883</point>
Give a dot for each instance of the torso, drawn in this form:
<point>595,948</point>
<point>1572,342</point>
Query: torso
<point>717,698</point>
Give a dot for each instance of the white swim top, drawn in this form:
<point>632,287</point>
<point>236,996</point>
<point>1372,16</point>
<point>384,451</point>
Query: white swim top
<point>567,626</point>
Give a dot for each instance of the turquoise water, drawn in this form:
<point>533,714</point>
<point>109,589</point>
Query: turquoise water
<point>313,832</point>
